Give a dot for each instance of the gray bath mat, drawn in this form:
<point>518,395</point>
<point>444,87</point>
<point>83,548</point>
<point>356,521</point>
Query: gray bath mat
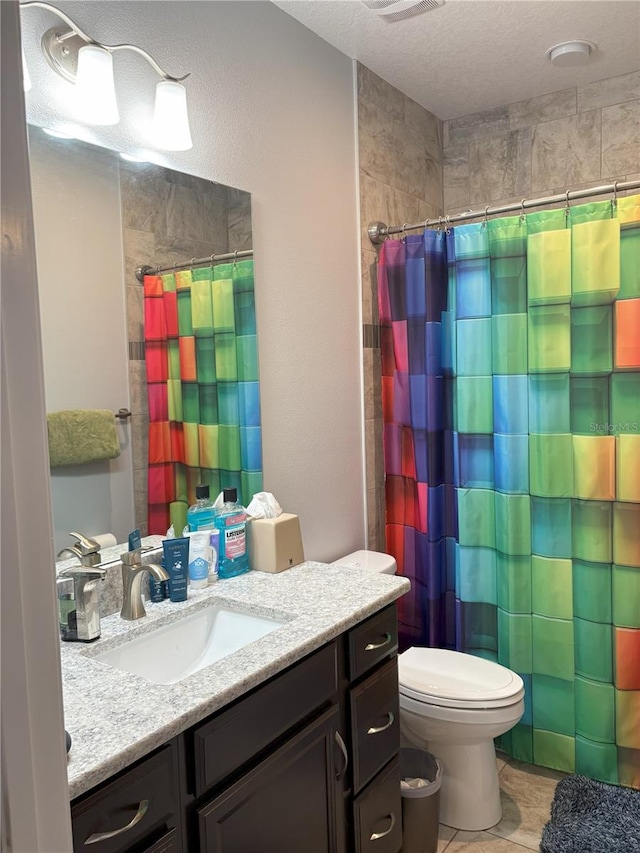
<point>591,817</point>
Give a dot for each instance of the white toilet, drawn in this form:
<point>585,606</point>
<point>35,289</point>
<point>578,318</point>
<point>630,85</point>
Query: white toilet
<point>454,705</point>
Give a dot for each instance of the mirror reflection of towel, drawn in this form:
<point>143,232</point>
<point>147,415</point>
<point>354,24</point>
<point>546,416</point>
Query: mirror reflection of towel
<point>77,436</point>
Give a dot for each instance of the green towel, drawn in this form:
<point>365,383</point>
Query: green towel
<point>82,435</point>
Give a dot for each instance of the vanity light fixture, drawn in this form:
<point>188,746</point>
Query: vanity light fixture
<point>88,64</point>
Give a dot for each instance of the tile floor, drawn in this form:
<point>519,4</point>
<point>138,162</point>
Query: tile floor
<point>526,794</point>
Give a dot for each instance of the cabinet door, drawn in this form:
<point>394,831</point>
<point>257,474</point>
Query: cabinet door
<point>292,801</point>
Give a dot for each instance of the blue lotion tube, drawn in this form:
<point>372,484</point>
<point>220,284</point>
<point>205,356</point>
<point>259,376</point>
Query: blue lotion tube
<point>176,563</point>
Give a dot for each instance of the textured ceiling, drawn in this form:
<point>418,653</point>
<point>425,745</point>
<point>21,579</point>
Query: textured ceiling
<point>471,55</point>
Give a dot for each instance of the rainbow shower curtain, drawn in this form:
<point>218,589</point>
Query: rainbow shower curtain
<point>202,384</point>
<point>511,406</point>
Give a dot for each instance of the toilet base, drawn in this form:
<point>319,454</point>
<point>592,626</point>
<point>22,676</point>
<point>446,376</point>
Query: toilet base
<point>470,793</point>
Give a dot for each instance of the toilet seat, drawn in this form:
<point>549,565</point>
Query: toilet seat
<point>450,679</point>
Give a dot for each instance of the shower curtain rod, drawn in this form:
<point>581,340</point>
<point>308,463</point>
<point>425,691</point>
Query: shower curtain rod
<point>378,231</point>
<point>146,269</point>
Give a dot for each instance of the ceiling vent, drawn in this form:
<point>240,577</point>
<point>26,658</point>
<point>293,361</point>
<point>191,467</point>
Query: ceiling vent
<point>398,10</point>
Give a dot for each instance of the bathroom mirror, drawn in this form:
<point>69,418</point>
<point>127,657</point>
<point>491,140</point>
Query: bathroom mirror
<point>97,217</point>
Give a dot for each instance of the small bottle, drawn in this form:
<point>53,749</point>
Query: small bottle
<point>231,521</point>
<point>200,516</point>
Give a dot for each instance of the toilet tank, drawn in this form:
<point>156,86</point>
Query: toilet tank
<point>372,561</point>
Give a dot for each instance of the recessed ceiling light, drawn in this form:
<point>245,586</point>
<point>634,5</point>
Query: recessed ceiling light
<point>568,54</point>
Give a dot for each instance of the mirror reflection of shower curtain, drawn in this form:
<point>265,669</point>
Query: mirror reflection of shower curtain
<point>202,382</point>
<point>511,407</point>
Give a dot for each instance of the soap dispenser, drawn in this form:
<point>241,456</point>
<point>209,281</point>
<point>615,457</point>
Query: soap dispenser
<point>78,606</point>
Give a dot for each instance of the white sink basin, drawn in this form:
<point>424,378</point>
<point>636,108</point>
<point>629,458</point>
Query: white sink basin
<point>177,650</point>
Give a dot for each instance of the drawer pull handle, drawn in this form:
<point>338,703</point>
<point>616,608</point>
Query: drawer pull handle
<point>376,835</point>
<point>102,836</point>
<point>370,647</point>
<point>345,754</point>
<point>374,730</point>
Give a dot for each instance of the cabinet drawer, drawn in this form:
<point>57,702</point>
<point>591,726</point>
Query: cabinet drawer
<point>372,641</point>
<point>237,735</point>
<point>375,723</point>
<point>140,804</point>
<point>378,814</point>
<point>167,844</point>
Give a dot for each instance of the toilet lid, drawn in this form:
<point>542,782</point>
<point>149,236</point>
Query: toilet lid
<point>443,677</point>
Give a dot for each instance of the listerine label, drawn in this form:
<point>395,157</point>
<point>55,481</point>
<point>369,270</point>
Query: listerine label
<point>235,542</point>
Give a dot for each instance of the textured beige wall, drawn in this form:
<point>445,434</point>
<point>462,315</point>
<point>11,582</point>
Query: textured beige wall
<point>572,139</point>
<point>400,173</point>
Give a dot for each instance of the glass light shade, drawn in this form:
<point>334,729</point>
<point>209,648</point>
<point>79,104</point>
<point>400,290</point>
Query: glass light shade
<point>171,119</point>
<point>95,88</point>
<point>26,79</point>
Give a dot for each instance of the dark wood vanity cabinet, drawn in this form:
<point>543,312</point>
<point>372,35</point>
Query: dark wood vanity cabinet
<point>306,763</point>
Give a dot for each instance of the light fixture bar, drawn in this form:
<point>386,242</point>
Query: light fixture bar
<point>88,40</point>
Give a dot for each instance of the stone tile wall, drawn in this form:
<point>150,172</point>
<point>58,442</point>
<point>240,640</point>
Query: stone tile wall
<point>413,166</point>
<point>572,139</point>
<point>400,173</point>
<point>168,217</point>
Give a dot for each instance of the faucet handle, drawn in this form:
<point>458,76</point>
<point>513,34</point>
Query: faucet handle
<point>85,544</point>
<point>83,573</point>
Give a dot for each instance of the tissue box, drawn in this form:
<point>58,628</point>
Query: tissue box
<point>275,544</point>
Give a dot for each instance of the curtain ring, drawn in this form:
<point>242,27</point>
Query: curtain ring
<point>486,214</point>
<point>439,228</point>
<point>212,257</point>
<point>404,231</point>
<point>614,200</point>
<point>447,225</point>
<point>522,213</point>
<point>567,209</point>
<point>235,258</point>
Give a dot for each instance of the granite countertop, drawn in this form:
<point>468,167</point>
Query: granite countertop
<point>115,718</point>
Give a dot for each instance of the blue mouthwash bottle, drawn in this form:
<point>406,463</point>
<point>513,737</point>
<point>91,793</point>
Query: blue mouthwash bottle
<point>231,521</point>
<point>200,516</point>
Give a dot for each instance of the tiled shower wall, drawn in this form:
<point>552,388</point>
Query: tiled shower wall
<point>168,217</point>
<point>413,166</point>
<point>572,139</point>
<point>400,170</point>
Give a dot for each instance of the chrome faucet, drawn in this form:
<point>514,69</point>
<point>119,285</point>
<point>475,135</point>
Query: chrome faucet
<point>132,572</point>
<point>85,549</point>
<point>78,605</point>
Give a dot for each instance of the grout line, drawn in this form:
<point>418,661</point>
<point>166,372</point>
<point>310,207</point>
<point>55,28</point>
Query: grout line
<point>449,841</point>
<point>511,841</point>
